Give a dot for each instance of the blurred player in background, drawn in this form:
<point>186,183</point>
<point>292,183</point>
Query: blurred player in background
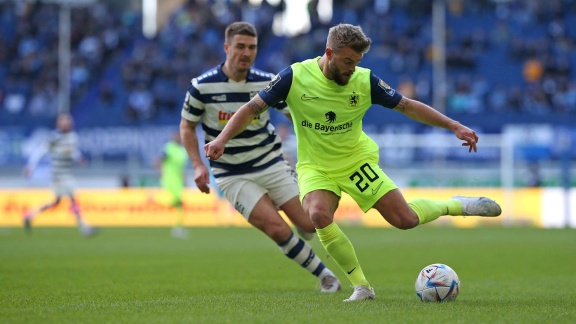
<point>62,146</point>
<point>172,167</point>
<point>252,173</point>
<point>328,97</point>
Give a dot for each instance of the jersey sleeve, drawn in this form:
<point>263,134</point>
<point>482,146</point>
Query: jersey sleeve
<point>193,106</point>
<point>277,90</point>
<point>382,94</point>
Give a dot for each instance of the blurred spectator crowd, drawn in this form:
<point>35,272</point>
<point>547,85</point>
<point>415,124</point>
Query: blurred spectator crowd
<point>501,57</point>
<point>29,53</point>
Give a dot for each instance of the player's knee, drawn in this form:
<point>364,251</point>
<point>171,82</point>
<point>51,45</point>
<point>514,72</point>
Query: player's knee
<point>319,217</point>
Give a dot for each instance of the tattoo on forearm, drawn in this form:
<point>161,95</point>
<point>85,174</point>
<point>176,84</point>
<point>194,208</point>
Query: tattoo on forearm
<point>257,106</point>
<point>402,105</point>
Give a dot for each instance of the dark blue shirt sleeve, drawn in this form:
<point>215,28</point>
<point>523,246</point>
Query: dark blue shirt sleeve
<point>277,90</point>
<point>382,93</point>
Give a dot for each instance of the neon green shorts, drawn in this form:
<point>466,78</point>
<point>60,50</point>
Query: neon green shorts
<point>365,182</point>
<point>176,190</point>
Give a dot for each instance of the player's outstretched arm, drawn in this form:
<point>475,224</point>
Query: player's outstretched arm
<point>239,121</point>
<point>427,115</point>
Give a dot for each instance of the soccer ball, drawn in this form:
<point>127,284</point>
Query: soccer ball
<point>437,283</point>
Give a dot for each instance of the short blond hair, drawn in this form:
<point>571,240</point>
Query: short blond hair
<point>346,35</point>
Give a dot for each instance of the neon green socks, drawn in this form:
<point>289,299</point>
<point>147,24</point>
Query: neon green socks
<point>429,210</point>
<point>341,250</point>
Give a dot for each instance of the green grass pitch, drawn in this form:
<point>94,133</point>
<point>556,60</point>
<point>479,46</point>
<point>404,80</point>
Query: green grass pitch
<point>237,275</point>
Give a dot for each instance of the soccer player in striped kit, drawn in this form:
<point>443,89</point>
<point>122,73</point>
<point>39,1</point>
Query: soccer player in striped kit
<point>253,174</point>
<point>62,146</point>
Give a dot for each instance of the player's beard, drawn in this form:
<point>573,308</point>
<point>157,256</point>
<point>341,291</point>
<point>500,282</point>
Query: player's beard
<point>336,75</point>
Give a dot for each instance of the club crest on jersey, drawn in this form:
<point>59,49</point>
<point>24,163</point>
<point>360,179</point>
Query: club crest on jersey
<point>272,83</point>
<point>386,88</point>
<point>354,98</point>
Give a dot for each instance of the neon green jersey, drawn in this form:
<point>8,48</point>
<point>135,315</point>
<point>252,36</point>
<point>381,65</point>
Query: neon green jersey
<point>173,163</point>
<point>328,117</point>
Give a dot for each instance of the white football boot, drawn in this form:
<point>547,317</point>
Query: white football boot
<point>179,232</point>
<point>479,206</point>
<point>89,231</point>
<point>329,284</point>
<point>361,293</point>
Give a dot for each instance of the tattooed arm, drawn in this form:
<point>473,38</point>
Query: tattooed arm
<point>427,115</point>
<point>239,121</point>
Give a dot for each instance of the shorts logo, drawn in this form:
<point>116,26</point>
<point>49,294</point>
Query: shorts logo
<point>353,102</point>
<point>375,190</point>
<point>293,175</point>
<point>239,207</point>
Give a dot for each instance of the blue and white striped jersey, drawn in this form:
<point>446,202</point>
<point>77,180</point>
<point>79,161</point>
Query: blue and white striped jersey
<point>63,150</point>
<point>213,98</point>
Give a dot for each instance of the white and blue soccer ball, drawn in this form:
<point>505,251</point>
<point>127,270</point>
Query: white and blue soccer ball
<point>437,283</point>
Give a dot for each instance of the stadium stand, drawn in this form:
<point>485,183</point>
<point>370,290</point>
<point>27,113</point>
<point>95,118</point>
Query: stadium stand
<point>508,58</point>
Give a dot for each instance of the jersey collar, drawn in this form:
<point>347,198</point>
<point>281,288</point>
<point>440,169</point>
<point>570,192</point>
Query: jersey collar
<point>224,77</point>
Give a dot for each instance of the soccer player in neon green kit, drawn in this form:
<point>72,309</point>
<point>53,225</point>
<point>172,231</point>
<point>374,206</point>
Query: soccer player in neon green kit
<point>328,97</point>
<point>172,166</point>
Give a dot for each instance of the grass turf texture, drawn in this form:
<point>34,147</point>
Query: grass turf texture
<point>237,275</point>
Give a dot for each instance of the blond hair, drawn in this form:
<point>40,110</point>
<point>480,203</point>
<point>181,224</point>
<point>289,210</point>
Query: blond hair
<point>346,35</point>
